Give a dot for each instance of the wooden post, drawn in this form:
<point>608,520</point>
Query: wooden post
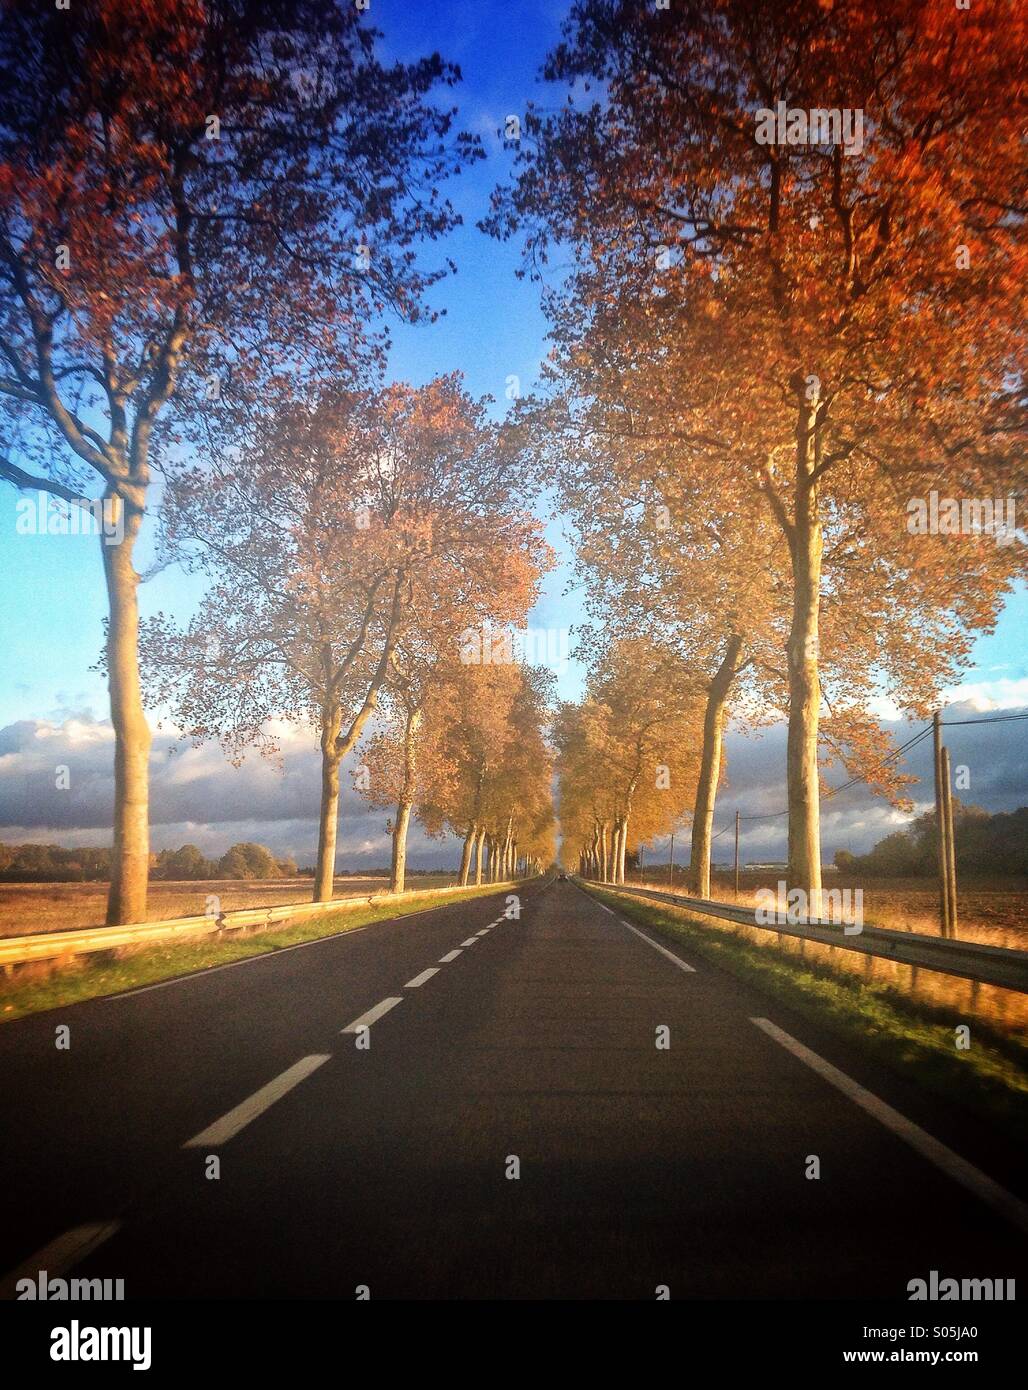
<point>951,853</point>
<point>737,854</point>
<point>940,816</point>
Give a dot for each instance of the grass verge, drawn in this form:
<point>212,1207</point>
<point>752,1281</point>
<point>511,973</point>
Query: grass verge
<point>913,1038</point>
<point>152,964</point>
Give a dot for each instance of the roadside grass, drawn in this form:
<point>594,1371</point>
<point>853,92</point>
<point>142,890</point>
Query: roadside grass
<point>910,1036</point>
<point>152,964</point>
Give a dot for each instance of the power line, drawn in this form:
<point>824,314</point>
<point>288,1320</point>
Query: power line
<point>896,753</point>
<point>994,719</point>
<point>911,743</point>
<point>834,791</point>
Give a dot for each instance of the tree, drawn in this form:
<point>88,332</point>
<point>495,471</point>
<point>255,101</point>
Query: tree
<point>495,587</point>
<point>658,552</point>
<point>345,528</point>
<point>492,765</point>
<point>834,330</point>
<point>247,860</point>
<point>192,197</point>
<point>634,737</point>
<point>186,862</point>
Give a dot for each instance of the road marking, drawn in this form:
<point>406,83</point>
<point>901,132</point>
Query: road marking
<point>275,951</point>
<point>450,955</point>
<point>373,1015</point>
<point>247,960</point>
<point>419,980</point>
<point>60,1255</point>
<point>221,1131</point>
<point>484,932</point>
<point>943,1158</point>
<point>675,960</point>
<point>470,941</point>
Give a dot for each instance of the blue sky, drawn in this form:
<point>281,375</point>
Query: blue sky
<point>51,588</point>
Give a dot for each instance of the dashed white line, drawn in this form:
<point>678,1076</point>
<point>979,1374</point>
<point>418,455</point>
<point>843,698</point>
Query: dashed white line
<point>60,1255</point>
<point>470,941</point>
<point>484,932</point>
<point>373,1015</point>
<point>450,955</point>
<point>948,1162</point>
<point>675,960</point>
<point>230,1124</point>
<point>419,980</point>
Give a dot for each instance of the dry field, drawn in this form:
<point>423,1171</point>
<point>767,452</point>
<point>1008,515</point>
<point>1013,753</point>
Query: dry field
<point>42,907</point>
<point>991,911</point>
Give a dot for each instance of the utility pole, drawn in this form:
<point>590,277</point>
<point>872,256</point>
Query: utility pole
<point>737,854</point>
<point>951,853</point>
<point>940,817</point>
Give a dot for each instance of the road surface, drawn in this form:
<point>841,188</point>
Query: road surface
<point>508,1129</point>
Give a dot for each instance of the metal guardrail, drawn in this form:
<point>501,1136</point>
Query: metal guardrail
<point>989,965</point>
<point>62,945</point>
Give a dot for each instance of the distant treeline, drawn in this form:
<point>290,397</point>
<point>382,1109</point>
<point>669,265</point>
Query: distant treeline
<point>52,864</point>
<point>985,844</point>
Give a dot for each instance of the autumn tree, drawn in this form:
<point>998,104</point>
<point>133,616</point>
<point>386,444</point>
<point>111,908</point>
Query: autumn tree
<point>344,535</point>
<point>407,760</point>
<point>198,204</point>
<point>826,318</point>
<point>629,753</point>
<point>490,736</point>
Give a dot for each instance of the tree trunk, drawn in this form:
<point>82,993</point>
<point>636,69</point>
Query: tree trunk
<point>399,866</point>
<point>130,860</point>
<point>622,850</point>
<point>406,802</point>
<point>804,689</point>
<point>324,876</point>
<point>324,879</point>
<point>465,858</point>
<point>710,768</point>
<point>604,860</point>
<point>478,857</point>
<point>615,851</point>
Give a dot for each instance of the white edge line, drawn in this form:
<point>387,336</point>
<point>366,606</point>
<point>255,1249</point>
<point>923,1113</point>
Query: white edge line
<point>241,1115</point>
<point>269,955</point>
<point>60,1255</point>
<point>373,1015</point>
<point>943,1158</point>
<point>675,960</point>
<point>419,980</point>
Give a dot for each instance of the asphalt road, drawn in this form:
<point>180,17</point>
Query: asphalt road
<point>389,1166</point>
